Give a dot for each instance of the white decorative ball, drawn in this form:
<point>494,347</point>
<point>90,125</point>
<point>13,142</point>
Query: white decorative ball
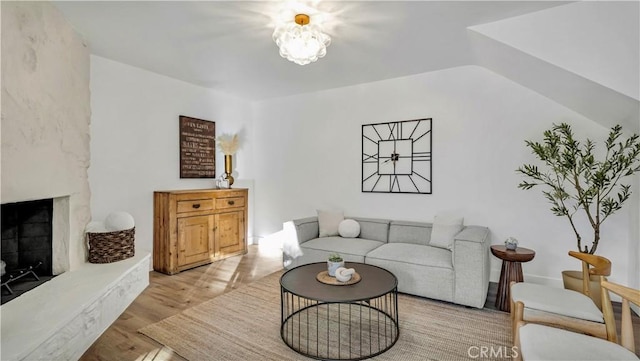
<point>96,227</point>
<point>349,228</point>
<point>119,221</point>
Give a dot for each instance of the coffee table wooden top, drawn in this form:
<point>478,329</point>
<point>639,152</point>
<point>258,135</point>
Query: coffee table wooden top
<point>520,254</point>
<point>302,281</point>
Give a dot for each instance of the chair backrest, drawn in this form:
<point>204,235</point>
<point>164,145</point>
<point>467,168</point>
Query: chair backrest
<point>592,265</point>
<point>628,295</point>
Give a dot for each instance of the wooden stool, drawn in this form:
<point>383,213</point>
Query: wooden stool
<point>511,271</point>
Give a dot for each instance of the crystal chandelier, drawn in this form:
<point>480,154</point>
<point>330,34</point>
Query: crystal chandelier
<point>301,42</point>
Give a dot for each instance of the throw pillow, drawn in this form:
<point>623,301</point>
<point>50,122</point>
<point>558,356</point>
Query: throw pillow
<point>328,222</point>
<point>445,227</point>
<point>349,228</point>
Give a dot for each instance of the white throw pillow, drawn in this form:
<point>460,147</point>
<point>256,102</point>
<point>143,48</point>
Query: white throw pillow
<point>445,227</point>
<point>328,222</point>
<point>119,221</point>
<point>349,228</point>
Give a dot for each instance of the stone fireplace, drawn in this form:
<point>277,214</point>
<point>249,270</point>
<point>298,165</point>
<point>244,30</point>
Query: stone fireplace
<point>31,228</point>
<point>35,237</point>
<point>27,236</point>
<point>46,122</point>
<point>46,118</point>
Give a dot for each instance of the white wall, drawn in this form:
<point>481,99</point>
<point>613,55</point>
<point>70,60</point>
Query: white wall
<point>134,139</point>
<point>307,155</point>
<point>598,40</point>
<point>45,116</point>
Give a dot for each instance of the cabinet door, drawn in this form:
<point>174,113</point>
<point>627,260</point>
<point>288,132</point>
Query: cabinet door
<point>229,234</point>
<point>195,239</point>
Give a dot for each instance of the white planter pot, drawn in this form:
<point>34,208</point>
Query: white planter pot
<point>333,266</point>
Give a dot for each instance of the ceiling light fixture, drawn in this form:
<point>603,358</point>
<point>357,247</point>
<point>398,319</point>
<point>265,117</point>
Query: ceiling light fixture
<point>301,42</point>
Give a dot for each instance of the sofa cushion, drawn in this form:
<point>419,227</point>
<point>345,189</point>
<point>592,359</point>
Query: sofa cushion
<point>329,221</point>
<point>374,229</point>
<point>409,232</point>
<point>445,227</point>
<point>424,281</point>
<point>344,246</point>
<point>412,253</point>
<point>349,228</point>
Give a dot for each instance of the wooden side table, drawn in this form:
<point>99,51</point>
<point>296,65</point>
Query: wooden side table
<point>511,271</point>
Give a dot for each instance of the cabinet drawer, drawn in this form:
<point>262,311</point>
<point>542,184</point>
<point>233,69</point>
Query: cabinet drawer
<point>233,194</point>
<point>232,202</point>
<point>195,205</point>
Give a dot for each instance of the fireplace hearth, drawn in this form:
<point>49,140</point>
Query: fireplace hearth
<point>27,246</point>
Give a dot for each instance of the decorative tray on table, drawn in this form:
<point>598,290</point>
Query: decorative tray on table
<point>326,279</point>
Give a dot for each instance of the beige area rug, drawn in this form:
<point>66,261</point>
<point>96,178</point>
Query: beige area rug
<point>244,324</point>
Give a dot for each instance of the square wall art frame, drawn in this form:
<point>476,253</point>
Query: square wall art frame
<point>397,157</point>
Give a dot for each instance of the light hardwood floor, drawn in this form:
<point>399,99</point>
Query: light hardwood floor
<point>169,295</point>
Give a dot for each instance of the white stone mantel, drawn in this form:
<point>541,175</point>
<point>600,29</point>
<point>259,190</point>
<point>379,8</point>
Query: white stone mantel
<point>46,116</point>
<point>60,319</point>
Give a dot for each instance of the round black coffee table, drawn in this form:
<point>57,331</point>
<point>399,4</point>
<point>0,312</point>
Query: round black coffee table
<point>339,322</point>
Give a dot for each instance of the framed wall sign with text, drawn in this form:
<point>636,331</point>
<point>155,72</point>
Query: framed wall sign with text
<point>396,157</point>
<point>197,148</point>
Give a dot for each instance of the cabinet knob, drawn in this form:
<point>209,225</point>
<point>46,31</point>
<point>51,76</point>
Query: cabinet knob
<point>231,203</point>
<point>196,206</point>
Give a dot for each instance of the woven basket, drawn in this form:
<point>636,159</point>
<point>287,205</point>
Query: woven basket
<point>107,247</point>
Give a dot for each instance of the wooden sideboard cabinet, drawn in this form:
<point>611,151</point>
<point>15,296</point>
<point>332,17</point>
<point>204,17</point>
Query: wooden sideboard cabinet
<point>195,227</point>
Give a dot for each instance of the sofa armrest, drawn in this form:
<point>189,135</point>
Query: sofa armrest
<point>471,265</point>
<point>475,234</point>
<point>295,233</point>
<point>306,229</point>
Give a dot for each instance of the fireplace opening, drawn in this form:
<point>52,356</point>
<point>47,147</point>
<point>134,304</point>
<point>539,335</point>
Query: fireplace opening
<point>27,246</point>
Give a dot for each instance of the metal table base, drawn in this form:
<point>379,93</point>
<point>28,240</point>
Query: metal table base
<point>339,330</point>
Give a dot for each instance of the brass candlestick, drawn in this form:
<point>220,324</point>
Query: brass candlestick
<point>228,168</point>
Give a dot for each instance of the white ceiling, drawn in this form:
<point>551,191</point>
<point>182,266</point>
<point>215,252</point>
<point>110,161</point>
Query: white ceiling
<point>227,45</point>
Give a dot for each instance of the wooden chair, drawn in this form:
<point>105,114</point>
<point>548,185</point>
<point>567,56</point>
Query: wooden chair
<point>539,342</point>
<point>563,308</point>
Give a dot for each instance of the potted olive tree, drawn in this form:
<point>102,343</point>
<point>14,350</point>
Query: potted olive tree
<point>577,178</point>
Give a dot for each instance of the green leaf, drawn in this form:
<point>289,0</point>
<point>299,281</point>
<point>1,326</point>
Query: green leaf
<point>574,175</point>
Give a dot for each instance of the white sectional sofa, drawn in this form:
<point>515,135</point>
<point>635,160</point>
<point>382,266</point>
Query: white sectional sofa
<point>458,273</point>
